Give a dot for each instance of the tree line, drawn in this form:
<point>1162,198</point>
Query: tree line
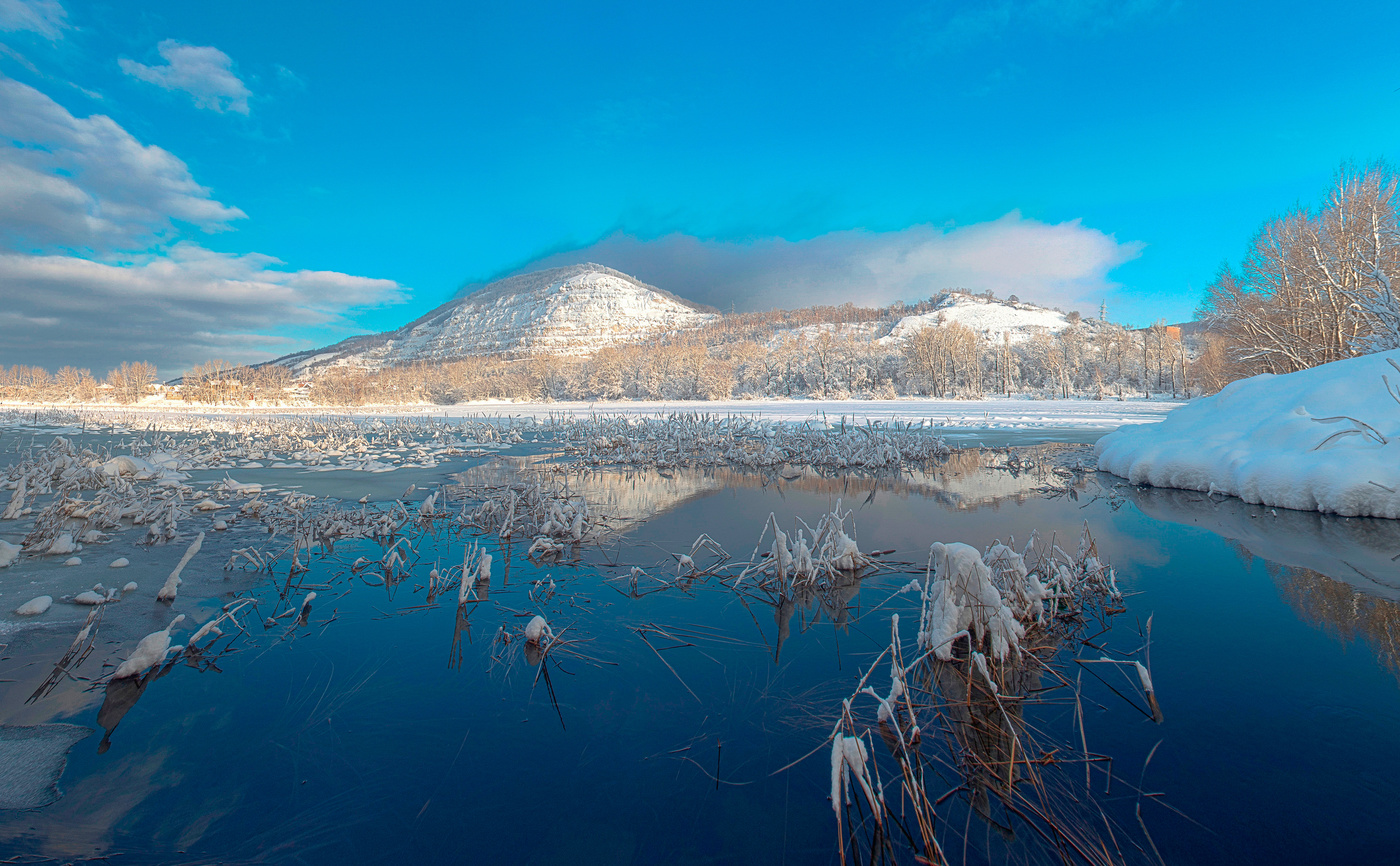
<point>791,356</point>
<point>1315,284</point>
<point>819,352</point>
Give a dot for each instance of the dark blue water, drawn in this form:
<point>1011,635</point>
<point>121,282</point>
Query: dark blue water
<point>391,730</point>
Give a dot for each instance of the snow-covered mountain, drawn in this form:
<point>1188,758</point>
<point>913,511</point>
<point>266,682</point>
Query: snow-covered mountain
<point>987,316</point>
<point>574,310</point>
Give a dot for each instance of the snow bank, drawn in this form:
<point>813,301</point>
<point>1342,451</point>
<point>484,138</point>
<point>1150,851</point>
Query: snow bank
<point>1325,439</point>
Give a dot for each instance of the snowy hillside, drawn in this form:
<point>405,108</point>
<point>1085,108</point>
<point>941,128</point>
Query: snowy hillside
<point>563,311</point>
<point>987,316</point>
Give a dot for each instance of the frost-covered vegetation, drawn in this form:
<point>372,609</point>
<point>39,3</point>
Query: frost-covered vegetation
<point>998,634</point>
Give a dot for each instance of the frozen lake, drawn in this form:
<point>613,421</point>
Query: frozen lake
<point>685,713</point>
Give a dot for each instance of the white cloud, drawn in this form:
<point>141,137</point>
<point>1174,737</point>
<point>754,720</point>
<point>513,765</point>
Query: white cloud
<point>1061,264</point>
<point>174,309</point>
<point>92,271</point>
<point>45,17</point>
<point>202,71</point>
<point>87,183</point>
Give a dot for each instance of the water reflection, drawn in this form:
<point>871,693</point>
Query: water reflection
<point>1343,612</point>
<point>833,598</point>
<point>1361,552</point>
<point>967,479</point>
<point>428,740</point>
<point>118,699</point>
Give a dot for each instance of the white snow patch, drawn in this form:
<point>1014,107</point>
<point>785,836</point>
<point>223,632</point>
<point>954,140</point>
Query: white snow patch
<point>988,317</point>
<point>35,606</point>
<point>1325,439</point>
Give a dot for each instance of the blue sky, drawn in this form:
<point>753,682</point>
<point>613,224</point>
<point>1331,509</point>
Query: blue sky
<point>187,180</point>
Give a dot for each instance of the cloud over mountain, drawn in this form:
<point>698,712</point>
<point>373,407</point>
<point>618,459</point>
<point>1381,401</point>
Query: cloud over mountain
<point>1058,264</point>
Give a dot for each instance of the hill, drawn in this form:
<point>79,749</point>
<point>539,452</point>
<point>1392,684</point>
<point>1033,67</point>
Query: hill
<point>574,310</point>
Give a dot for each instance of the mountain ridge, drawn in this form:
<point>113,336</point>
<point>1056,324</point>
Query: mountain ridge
<point>570,310</point>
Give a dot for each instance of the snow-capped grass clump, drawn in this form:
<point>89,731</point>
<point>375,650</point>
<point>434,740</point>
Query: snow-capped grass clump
<point>992,599</point>
<point>532,508</point>
<point>1324,439</point>
<point>1028,611</point>
<point>150,652</point>
<point>806,555</point>
<point>962,601</point>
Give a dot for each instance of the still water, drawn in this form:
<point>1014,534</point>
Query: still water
<point>391,727</point>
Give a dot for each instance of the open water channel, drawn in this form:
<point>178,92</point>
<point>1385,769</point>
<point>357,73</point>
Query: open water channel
<point>684,715</point>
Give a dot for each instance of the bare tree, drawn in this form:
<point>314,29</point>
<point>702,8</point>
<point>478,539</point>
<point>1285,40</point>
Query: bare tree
<point>131,381</point>
<point>1315,286</point>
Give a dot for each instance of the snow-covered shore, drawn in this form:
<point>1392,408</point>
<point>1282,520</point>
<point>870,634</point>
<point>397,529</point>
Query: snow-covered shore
<point>1325,439</point>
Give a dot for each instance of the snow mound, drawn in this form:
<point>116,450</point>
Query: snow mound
<point>1325,439</point>
<point>987,316</point>
<point>32,758</point>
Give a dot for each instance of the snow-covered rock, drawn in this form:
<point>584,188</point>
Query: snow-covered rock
<point>562,311</point>
<point>1325,439</point>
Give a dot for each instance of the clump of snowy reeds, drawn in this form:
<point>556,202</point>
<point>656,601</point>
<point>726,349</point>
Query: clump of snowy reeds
<point>806,556</point>
<point>533,509</point>
<point>994,626</point>
<point>960,600</point>
<point>991,598</point>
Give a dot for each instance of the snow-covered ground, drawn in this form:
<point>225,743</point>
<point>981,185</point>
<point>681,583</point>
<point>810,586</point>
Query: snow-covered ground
<point>994,414</point>
<point>1325,439</point>
<point>987,316</point>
